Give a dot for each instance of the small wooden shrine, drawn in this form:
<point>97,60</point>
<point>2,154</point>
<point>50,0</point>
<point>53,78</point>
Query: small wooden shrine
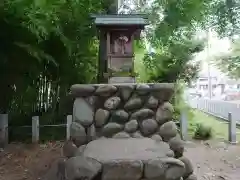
<point>116,56</point>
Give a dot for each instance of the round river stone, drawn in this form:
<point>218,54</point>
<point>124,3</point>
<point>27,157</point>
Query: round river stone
<point>112,103</point>
<point>101,117</point>
<point>168,130</point>
<point>81,90</point>
<point>78,134</point>
<point>148,126</point>
<point>142,114</point>
<point>111,128</point>
<point>105,90</point>
<point>133,103</point>
<point>131,126</point>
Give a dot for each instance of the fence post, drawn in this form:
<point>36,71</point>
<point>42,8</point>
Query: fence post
<point>183,125</point>
<point>35,129</point>
<point>232,129</point>
<point>3,130</point>
<point>69,122</point>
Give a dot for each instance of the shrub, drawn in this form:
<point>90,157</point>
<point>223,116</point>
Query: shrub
<point>202,132</point>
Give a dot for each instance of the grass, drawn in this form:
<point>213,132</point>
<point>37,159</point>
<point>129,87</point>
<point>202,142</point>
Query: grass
<point>219,127</point>
<point>140,67</point>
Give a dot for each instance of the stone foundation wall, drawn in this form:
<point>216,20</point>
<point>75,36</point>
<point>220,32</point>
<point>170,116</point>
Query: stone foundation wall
<point>122,110</point>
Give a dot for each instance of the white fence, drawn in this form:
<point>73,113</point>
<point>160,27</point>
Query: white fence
<point>35,128</point>
<point>217,108</point>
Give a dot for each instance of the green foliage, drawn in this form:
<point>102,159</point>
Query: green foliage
<point>203,132</point>
<point>223,16</point>
<point>45,48</point>
<point>171,34</point>
<point>175,21</point>
<point>179,102</point>
<point>173,63</point>
<point>139,66</point>
<point>173,24</point>
<point>230,62</point>
<point>169,18</point>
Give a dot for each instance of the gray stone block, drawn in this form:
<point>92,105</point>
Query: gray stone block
<point>105,90</point>
<point>83,112</point>
<point>101,117</point>
<point>142,114</point>
<point>131,126</point>
<point>133,103</point>
<point>148,127</point>
<point>177,145</point>
<point>188,166</point>
<point>111,128</point>
<point>78,134</point>
<point>105,150</point>
<point>164,113</point>
<point>82,90</point>
<point>112,103</point>
<point>152,102</point>
<point>91,133</point>
<point>168,130</point>
<point>137,134</point>
<point>155,169</point>
<point>120,116</point>
<point>176,169</point>
<point>69,149</point>
<point>121,135</point>
<point>61,174</point>
<point>192,177</point>
<point>142,89</point>
<point>156,137</point>
<point>82,168</point>
<point>126,91</point>
<point>80,150</point>
<point>122,170</point>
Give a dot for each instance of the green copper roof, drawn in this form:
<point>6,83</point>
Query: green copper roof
<point>120,19</point>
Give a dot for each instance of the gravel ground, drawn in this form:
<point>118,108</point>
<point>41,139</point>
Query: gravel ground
<point>214,160</point>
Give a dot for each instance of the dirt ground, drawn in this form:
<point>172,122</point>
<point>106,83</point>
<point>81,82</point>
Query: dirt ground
<point>28,161</point>
<point>213,160</point>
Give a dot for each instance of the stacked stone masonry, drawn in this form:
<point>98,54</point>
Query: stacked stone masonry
<point>138,114</point>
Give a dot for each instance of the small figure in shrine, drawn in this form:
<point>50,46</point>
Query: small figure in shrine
<point>122,45</point>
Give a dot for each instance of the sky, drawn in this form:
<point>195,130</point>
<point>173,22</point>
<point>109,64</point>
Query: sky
<point>216,46</point>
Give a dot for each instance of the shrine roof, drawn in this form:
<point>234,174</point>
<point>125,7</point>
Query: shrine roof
<point>120,19</point>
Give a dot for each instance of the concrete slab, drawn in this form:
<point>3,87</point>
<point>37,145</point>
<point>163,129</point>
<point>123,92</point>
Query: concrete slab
<point>106,150</point>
